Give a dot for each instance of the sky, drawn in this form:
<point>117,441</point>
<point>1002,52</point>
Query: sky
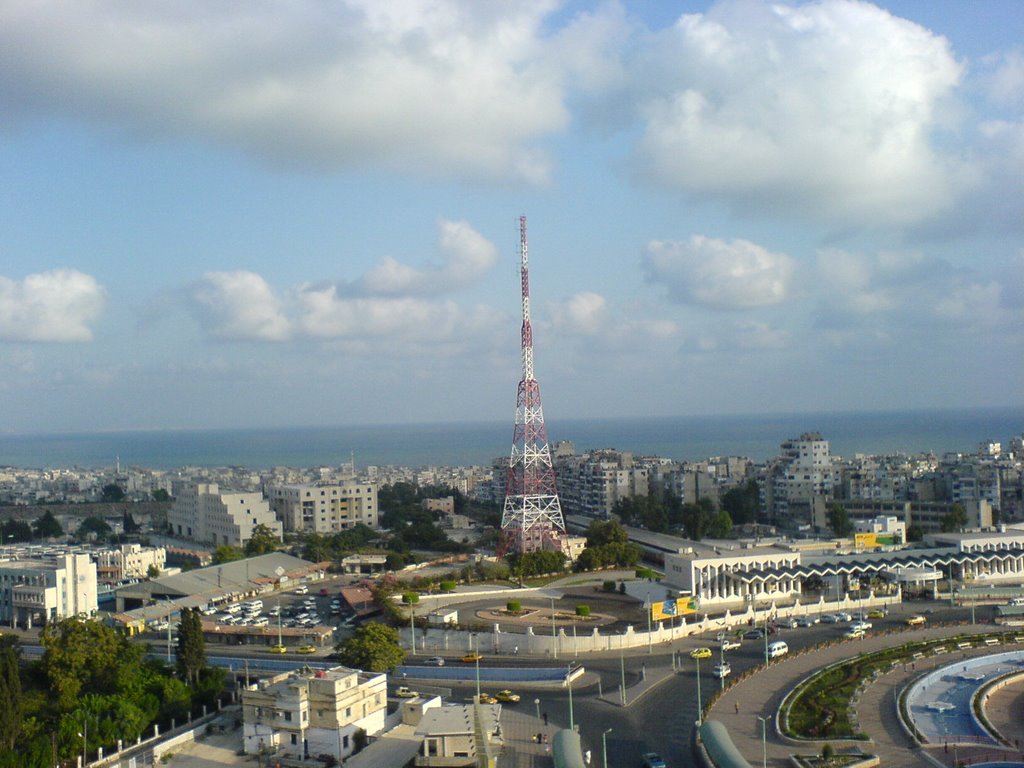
<point>220,215</point>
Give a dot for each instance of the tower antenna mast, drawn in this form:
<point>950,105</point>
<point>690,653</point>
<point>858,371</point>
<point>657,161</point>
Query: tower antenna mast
<point>532,513</point>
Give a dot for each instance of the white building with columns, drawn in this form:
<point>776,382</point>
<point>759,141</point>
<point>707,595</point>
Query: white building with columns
<point>716,578</point>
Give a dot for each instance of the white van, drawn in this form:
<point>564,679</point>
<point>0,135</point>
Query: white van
<point>776,649</point>
<point>1015,601</point>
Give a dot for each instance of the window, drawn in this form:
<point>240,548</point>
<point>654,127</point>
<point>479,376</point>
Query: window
<point>344,742</point>
<point>288,717</point>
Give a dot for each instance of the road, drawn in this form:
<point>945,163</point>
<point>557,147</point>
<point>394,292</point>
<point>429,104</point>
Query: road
<point>663,718</point>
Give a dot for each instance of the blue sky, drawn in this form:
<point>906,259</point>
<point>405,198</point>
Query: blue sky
<point>235,214</point>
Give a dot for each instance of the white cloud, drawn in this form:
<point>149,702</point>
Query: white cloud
<point>450,87</point>
<point>58,305</point>
<point>584,313</point>
<point>823,109</point>
<point>1005,80</point>
<point>735,274</point>
<point>467,256</point>
<point>241,305</point>
<point>892,293</point>
<point>325,314</point>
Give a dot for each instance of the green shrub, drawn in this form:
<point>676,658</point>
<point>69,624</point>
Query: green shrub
<point>447,586</point>
<point>513,606</point>
<point>410,598</point>
<point>608,586</point>
<point>583,610</point>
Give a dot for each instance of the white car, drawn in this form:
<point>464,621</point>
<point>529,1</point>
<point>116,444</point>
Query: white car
<point>302,590</point>
<point>862,626</point>
<point>807,621</point>
<point>844,616</point>
<point>830,618</point>
<point>730,644</point>
<point>721,670</point>
<point>436,661</point>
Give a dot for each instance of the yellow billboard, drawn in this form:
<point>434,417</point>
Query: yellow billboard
<point>669,609</point>
<point>865,540</point>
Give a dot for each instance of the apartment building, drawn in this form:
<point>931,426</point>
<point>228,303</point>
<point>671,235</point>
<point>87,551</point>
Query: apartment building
<point>129,561</point>
<point>324,508</point>
<point>204,513</point>
<point>46,589</point>
<point>310,713</point>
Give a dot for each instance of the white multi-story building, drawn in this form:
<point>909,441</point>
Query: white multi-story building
<point>129,561</point>
<point>324,508</point>
<point>33,591</point>
<point>204,513</point>
<point>803,475</point>
<point>313,712</point>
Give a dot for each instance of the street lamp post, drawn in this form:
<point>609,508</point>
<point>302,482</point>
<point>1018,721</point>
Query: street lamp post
<point>169,613</point>
<point>568,682</point>
<point>536,703</point>
<point>554,639</point>
<point>764,741</point>
<point>622,667</point>
<point>700,711</point>
<point>604,746</point>
<point>85,740</point>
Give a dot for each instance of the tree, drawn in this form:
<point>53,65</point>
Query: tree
<point>262,541</point>
<point>373,648</point>
<point>954,520</point>
<point>47,527</point>
<point>93,528</point>
<point>742,502</point>
<point>191,646</point>
<point>161,494</point>
<point>128,523</point>
<point>14,531</point>
<point>11,704</point>
<point>112,493</point>
<point>720,525</point>
<point>606,532</point>
<point>226,553</point>
<point>839,520</point>
<point>153,571</point>
<point>915,532</point>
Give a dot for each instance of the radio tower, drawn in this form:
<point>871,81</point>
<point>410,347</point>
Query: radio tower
<point>532,512</point>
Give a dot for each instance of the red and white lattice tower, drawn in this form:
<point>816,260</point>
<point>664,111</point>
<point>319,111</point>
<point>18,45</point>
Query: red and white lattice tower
<point>532,512</point>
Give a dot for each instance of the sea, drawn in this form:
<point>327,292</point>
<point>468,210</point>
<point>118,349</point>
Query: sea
<point>478,443</point>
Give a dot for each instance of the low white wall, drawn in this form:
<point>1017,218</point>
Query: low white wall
<point>497,641</point>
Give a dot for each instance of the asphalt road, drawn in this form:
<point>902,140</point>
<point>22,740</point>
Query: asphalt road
<point>662,720</point>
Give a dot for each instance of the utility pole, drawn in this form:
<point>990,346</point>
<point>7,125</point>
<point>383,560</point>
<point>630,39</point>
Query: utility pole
<point>604,746</point>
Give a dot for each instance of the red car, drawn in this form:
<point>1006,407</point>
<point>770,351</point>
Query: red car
<point>323,592</point>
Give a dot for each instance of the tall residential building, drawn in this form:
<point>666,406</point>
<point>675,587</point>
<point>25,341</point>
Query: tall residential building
<point>309,713</point>
<point>803,478</point>
<point>326,508</point>
<point>204,513</point>
<point>47,589</point>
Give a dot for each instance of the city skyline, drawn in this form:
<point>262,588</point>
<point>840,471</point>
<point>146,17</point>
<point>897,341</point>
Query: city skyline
<point>273,216</point>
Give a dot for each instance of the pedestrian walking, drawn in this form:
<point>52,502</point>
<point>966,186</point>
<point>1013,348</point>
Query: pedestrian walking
<point>545,718</point>
<point>737,705</point>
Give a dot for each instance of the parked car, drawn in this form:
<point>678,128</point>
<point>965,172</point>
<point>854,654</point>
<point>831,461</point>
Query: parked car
<point>653,760</point>
<point>830,618</point>
<point>844,616</point>
<point>507,697</point>
<point>721,670</point>
<point>471,657</point>
<point>436,661</point>
<point>753,634</point>
<point>731,644</point>
<point>863,626</point>
<point>302,589</point>
<point>404,692</point>
<point>807,621</point>
<point>787,623</point>
<point>486,698</point>
<point>853,633</point>
<point>700,653</point>
<point>323,592</point>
